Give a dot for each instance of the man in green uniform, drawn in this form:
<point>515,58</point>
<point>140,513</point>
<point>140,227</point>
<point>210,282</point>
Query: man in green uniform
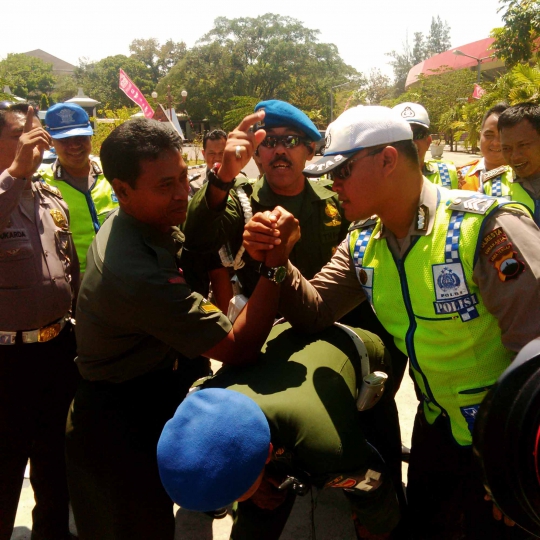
<point>519,128</point>
<point>78,177</point>
<point>138,328</point>
<point>452,275</point>
<point>437,171</point>
<point>290,420</point>
<point>217,213</point>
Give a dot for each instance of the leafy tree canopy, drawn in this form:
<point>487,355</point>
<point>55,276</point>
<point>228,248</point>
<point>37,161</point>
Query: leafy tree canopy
<point>268,57</point>
<point>159,59</point>
<point>436,42</point>
<point>27,77</point>
<point>519,38</point>
<point>100,80</point>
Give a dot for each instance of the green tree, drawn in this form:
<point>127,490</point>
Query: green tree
<point>378,87</point>
<point>401,63</point>
<point>517,40</point>
<point>65,88</point>
<point>100,80</point>
<point>267,57</point>
<point>44,102</point>
<point>438,39</point>
<point>159,59</point>
<point>28,77</point>
<point>419,52</point>
<point>441,94</point>
<point>108,121</point>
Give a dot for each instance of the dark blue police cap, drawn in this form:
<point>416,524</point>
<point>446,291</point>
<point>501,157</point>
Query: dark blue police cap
<point>213,449</point>
<point>282,114</point>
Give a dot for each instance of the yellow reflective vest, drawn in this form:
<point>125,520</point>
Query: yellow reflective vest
<point>429,302</point>
<point>87,210</point>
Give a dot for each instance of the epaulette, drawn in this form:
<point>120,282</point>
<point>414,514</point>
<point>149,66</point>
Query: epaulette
<point>363,223</point>
<point>495,172</point>
<point>475,203</point>
<point>96,167</point>
<point>470,164</point>
<point>51,189</point>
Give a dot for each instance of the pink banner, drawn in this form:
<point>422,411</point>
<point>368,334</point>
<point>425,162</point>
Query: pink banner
<point>132,92</point>
<point>478,91</point>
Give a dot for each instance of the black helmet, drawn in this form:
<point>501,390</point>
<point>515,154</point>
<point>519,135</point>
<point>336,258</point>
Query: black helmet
<point>506,439</point>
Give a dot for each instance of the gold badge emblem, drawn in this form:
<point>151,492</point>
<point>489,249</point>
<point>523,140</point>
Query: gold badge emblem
<point>332,212</point>
<point>59,219</point>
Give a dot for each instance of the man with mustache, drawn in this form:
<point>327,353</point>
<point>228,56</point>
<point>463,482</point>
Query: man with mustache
<point>216,214</point>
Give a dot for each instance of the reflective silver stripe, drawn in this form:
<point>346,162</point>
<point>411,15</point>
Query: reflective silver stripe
<point>69,127</point>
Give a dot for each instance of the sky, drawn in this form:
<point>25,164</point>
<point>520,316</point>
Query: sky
<point>363,31</point>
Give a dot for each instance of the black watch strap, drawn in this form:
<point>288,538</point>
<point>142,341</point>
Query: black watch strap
<point>275,274</point>
<point>213,180</point>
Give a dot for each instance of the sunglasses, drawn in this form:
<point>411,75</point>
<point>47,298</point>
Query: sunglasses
<point>344,171</point>
<point>5,105</point>
<point>288,141</point>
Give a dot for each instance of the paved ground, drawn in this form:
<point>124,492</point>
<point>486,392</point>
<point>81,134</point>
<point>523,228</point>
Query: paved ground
<point>331,514</point>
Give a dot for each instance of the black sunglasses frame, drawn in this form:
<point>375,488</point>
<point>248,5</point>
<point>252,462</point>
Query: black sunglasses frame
<point>285,140</point>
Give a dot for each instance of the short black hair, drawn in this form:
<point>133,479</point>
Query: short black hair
<point>17,108</point>
<point>213,135</point>
<point>408,149</point>
<point>135,141</point>
<point>522,111</point>
<point>497,109</point>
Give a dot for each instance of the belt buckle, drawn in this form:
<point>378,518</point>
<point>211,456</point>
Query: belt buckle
<point>48,332</point>
<point>7,338</point>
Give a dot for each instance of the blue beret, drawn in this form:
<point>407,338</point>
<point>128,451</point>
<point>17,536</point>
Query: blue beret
<point>213,449</point>
<point>283,114</point>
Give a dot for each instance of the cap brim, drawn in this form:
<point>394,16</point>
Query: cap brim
<point>327,164</point>
<point>75,132</point>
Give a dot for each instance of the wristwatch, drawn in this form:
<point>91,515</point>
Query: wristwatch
<point>215,181</point>
<point>276,274</point>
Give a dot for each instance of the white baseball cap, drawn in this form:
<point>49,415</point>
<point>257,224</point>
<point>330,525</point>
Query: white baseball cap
<point>414,113</point>
<point>361,127</point>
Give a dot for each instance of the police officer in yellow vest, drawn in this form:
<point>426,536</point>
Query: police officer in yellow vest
<point>453,276</point>
<point>438,171</point>
<point>519,128</point>
<point>78,177</point>
<point>489,173</point>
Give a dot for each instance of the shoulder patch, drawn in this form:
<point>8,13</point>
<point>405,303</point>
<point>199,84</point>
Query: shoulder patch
<point>475,204</point>
<point>207,307</point>
<point>364,223</point>
<point>495,172</point>
<point>51,189</point>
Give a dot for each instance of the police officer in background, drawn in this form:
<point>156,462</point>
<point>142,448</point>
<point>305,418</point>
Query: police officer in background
<point>213,147</point>
<point>519,128</point>
<point>489,173</point>
<point>39,278</point>
<point>452,275</point>
<point>78,177</point>
<point>437,171</point>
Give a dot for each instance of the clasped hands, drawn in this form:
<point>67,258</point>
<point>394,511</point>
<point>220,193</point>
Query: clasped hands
<point>270,236</point>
